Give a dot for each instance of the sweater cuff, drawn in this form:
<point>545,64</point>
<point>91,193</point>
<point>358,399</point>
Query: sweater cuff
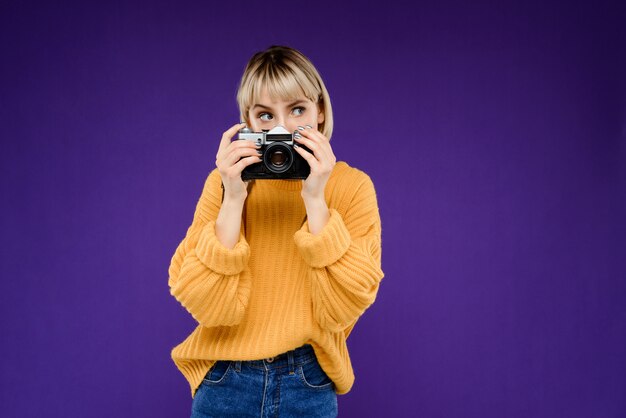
<point>328,246</point>
<point>222,260</point>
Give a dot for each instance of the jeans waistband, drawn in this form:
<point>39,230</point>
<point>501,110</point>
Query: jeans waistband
<point>291,359</point>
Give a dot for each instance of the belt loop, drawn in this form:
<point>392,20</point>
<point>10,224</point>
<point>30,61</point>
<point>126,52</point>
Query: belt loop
<point>238,366</point>
<point>290,359</point>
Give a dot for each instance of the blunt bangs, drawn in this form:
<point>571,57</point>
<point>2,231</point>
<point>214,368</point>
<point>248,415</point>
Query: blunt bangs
<point>280,83</point>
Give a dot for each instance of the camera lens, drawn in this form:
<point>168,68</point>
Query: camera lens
<point>278,157</point>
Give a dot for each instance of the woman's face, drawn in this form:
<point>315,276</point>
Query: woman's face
<point>266,114</point>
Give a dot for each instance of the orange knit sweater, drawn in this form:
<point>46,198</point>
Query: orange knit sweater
<point>280,287</point>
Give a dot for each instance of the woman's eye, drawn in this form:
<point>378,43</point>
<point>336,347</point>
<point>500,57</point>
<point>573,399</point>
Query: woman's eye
<point>264,114</point>
<point>266,117</point>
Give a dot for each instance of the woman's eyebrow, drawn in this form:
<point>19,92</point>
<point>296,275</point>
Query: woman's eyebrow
<point>289,105</point>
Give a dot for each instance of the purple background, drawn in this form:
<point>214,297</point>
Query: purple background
<point>495,134</point>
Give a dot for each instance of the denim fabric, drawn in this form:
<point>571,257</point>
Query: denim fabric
<point>290,385</point>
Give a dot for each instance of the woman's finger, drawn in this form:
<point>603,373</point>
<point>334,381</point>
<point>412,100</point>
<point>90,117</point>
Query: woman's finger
<point>310,158</point>
<point>324,144</point>
<point>317,144</point>
<point>311,144</point>
<point>226,139</point>
<point>237,149</point>
<point>238,153</point>
<point>244,162</point>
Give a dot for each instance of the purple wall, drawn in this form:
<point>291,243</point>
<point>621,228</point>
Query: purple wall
<point>495,135</point>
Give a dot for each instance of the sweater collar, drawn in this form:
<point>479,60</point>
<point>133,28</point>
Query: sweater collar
<point>290,185</point>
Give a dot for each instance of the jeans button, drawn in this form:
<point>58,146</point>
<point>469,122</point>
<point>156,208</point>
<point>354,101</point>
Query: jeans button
<point>269,359</point>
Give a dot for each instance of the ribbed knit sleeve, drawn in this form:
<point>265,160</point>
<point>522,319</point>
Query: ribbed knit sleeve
<point>211,281</point>
<point>326,248</point>
<point>216,257</point>
<point>344,260</point>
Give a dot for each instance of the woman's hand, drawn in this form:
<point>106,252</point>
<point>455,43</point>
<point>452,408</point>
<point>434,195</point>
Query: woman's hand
<point>231,159</point>
<point>321,162</point>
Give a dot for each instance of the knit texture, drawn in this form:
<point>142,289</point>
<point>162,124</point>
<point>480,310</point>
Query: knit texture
<point>281,286</point>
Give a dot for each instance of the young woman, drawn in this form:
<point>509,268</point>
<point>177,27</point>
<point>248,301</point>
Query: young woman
<point>276,272</point>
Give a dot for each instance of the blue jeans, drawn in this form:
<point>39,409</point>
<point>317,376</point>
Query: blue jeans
<point>292,384</point>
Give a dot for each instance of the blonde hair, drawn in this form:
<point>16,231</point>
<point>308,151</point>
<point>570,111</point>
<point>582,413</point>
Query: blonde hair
<point>286,73</point>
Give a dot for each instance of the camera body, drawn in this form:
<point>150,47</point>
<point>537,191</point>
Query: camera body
<point>279,159</point>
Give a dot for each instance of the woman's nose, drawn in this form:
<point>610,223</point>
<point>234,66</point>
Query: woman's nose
<point>279,120</point>
<point>288,126</point>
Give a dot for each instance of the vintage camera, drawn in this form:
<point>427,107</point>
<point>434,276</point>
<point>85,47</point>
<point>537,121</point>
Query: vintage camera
<point>279,160</point>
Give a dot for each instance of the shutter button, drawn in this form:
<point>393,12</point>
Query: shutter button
<point>269,359</point>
